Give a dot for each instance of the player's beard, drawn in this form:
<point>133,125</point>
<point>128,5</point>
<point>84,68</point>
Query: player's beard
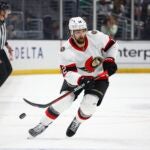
<point>80,40</point>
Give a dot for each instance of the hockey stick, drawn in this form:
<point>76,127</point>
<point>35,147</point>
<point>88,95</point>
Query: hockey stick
<point>55,100</point>
<point>61,97</point>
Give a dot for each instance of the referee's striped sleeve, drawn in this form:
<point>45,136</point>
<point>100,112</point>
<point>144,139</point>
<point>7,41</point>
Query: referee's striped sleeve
<point>2,35</point>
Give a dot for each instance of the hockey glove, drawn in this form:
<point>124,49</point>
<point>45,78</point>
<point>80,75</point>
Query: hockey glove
<point>87,80</point>
<point>109,65</point>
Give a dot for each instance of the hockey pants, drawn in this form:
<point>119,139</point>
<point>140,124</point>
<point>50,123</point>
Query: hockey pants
<point>5,67</point>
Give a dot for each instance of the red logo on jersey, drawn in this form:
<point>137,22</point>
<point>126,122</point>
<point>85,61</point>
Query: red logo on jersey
<point>92,63</point>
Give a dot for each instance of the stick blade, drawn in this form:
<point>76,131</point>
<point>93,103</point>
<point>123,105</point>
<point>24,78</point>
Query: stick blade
<point>34,104</point>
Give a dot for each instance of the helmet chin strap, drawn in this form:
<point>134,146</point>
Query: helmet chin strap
<point>72,35</point>
<point>71,31</point>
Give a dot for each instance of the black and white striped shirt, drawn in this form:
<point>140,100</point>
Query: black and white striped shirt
<point>2,34</point>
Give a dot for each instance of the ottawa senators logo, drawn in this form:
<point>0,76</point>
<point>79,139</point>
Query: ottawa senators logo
<point>94,32</point>
<point>96,62</point>
<point>92,63</point>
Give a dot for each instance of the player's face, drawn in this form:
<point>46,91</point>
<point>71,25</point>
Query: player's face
<point>79,35</point>
<point>4,14</point>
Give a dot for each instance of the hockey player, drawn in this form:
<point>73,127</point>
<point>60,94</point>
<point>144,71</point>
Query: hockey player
<point>86,54</point>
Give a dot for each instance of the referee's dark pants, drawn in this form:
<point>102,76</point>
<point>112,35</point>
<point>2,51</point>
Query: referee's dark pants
<point>5,67</point>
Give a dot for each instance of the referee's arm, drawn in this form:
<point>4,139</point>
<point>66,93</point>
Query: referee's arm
<point>10,50</point>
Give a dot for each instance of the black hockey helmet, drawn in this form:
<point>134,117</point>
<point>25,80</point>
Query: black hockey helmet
<point>4,6</point>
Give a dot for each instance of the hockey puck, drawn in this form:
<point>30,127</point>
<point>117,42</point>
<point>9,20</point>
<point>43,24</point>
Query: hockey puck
<point>23,115</point>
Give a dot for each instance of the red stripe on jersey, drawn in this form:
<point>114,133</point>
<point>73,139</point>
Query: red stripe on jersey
<point>81,117</point>
<point>67,68</point>
<point>71,65</point>
<point>50,115</point>
<point>74,45</point>
<point>109,44</point>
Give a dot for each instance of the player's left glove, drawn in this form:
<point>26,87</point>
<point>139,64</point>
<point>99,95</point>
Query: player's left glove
<point>87,80</point>
<point>109,65</point>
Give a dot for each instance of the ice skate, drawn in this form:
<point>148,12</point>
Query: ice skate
<point>37,130</point>
<point>72,129</point>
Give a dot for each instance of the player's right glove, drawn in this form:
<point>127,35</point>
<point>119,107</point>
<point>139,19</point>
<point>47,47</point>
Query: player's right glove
<point>87,80</point>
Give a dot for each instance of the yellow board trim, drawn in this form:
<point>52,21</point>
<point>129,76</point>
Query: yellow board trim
<point>36,71</point>
<point>57,71</point>
<point>134,70</point>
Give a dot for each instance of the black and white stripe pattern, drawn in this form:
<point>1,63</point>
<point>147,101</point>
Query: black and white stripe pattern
<point>2,35</point>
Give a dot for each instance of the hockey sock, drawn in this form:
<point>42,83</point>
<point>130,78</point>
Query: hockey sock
<point>50,116</point>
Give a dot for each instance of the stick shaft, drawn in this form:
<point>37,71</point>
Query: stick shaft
<point>59,98</point>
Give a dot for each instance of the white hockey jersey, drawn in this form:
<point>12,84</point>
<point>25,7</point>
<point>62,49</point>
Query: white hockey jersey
<point>75,61</point>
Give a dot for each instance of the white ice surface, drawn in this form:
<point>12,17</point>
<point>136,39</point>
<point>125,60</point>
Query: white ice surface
<point>122,122</point>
